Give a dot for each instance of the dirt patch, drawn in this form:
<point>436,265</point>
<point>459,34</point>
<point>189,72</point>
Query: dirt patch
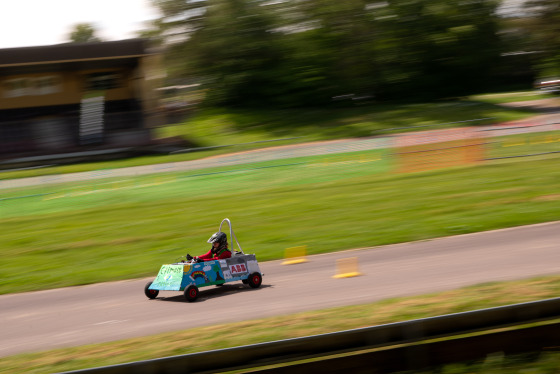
<point>552,197</point>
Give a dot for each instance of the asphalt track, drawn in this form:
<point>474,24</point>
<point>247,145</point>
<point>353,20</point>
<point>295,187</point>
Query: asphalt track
<point>74,316</point>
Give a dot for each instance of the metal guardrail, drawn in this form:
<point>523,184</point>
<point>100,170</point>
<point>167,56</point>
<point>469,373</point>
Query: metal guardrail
<point>291,350</point>
<point>431,355</point>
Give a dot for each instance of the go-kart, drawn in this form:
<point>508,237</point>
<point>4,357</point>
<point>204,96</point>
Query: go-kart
<point>188,276</point>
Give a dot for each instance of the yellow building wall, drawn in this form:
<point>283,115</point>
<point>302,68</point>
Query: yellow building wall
<point>70,89</point>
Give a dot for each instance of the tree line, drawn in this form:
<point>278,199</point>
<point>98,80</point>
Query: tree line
<point>288,53</point>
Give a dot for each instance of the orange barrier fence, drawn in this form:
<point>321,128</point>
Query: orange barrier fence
<point>438,149</point>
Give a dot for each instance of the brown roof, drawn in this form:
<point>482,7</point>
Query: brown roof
<point>60,53</point>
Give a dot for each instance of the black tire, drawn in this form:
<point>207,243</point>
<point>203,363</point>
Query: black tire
<point>245,281</point>
<point>191,293</point>
<point>150,294</point>
<point>255,280</point>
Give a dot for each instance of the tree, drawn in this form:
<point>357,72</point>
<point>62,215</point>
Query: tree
<point>403,48</point>
<point>341,38</point>
<point>307,52</point>
<point>543,26</point>
<point>448,48</point>
<point>227,44</point>
<point>83,33</point>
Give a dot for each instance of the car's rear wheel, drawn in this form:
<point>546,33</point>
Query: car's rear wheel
<point>151,294</point>
<point>255,280</point>
<point>191,293</point>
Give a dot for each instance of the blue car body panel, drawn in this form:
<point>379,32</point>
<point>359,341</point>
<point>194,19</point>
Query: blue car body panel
<point>178,276</point>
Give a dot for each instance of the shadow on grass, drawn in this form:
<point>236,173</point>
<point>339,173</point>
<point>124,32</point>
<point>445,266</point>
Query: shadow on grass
<point>360,121</point>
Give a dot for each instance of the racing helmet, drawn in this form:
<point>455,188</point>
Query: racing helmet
<point>219,237</point>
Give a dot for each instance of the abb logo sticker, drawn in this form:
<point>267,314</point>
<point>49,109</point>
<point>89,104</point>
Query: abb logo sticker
<point>237,269</point>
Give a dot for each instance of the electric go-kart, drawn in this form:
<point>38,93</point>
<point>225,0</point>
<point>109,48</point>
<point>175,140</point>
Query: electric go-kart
<point>188,276</point>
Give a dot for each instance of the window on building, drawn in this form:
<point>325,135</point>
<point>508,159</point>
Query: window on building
<point>31,86</point>
<point>102,81</point>
<point>47,85</point>
<point>17,87</point>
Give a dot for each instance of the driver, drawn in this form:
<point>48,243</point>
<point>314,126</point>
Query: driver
<point>218,251</point>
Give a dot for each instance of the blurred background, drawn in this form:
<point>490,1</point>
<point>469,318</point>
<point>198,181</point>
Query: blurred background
<point>191,56</point>
<point>302,53</point>
<point>322,124</point>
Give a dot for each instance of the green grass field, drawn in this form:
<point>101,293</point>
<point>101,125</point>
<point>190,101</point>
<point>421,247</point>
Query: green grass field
<point>524,144</point>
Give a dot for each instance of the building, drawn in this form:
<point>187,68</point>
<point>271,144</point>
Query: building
<point>77,97</point>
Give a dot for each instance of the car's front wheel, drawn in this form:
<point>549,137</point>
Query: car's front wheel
<point>191,293</point>
<point>151,294</point>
